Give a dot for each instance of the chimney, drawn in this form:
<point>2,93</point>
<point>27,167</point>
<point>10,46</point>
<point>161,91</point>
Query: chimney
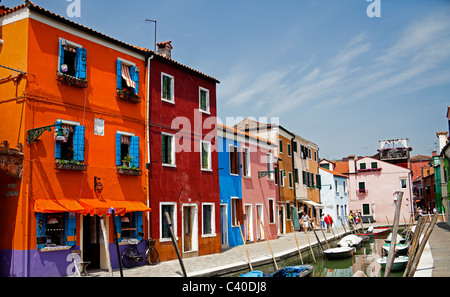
<point>165,49</point>
<point>351,164</point>
<point>442,140</point>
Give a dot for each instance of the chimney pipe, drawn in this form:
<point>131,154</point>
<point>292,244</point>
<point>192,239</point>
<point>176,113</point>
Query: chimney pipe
<point>165,49</point>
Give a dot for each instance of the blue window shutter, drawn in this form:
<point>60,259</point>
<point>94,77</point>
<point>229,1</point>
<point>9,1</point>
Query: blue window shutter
<point>118,227</point>
<point>119,75</point>
<point>57,144</point>
<point>78,143</point>
<point>138,223</point>
<point>80,71</point>
<point>40,227</point>
<point>134,151</point>
<point>136,81</point>
<point>61,54</point>
<point>118,150</point>
<point>70,228</point>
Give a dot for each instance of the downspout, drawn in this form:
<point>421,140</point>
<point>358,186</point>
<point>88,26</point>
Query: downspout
<point>147,123</point>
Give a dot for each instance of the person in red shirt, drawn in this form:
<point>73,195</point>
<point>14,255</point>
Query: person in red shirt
<point>329,222</point>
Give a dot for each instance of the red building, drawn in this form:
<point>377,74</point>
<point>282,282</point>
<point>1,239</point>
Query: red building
<point>183,165</point>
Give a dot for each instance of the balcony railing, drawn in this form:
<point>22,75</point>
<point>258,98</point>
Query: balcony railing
<point>394,154</point>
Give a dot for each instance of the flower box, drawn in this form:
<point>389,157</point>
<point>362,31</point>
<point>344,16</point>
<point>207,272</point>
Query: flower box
<point>71,80</point>
<point>128,171</point>
<point>70,165</point>
<point>128,96</point>
<point>362,191</point>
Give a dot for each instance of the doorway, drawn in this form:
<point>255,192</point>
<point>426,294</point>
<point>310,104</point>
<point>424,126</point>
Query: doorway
<point>248,223</point>
<point>91,240</point>
<point>190,228</point>
<point>259,220</point>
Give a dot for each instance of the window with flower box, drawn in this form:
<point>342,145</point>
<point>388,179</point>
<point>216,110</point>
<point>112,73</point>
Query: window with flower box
<point>72,64</point>
<point>127,153</point>
<point>127,81</point>
<point>69,145</point>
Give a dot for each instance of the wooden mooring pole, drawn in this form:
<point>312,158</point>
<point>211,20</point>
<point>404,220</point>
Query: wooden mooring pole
<point>296,241</point>
<point>309,242</point>
<point>391,256</point>
<point>265,237</point>
<point>245,247</point>
<point>415,242</point>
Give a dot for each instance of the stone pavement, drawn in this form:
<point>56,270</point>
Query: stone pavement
<point>232,259</point>
<point>440,250</point>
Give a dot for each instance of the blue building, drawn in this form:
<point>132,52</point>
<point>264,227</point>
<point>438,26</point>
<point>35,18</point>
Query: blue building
<point>334,195</point>
<point>230,183</point>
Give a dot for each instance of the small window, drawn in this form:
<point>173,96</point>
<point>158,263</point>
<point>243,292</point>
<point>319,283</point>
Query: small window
<point>270,166</point>
<point>374,165</point>
<point>127,150</point>
<point>336,186</point>
<point>170,208</point>
<point>167,88</point>
<point>55,229</point>
<point>403,183</point>
<point>168,149</point>
<point>362,166</point>
<point>206,155</point>
<point>365,209</point>
<point>289,149</point>
<point>72,59</point>
<point>296,178</point>
<point>362,186</point>
<point>208,219</point>
<point>280,147</point>
<point>290,180</point>
<point>246,162</point>
<point>204,100</point>
<point>234,159</point>
<point>344,185</point>
<point>131,225</point>
<point>282,176</point>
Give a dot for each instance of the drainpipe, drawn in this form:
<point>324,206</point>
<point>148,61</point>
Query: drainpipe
<point>147,123</point>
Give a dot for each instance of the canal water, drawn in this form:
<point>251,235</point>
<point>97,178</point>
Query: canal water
<point>364,258</point>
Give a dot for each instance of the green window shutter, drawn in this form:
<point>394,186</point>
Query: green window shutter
<point>362,165</point>
<point>296,175</point>
<point>319,181</point>
<point>362,185</point>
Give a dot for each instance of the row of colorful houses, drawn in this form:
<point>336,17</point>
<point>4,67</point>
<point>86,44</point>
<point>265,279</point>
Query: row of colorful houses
<point>91,124</point>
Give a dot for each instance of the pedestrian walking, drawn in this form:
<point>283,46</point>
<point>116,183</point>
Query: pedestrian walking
<point>329,221</point>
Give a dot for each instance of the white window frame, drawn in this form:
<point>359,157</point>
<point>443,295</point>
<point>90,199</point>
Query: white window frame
<point>172,88</point>
<point>69,43</point>
<point>172,143</point>
<point>213,219</point>
<point>207,111</point>
<point>209,155</point>
<point>406,183</point>
<point>174,223</point>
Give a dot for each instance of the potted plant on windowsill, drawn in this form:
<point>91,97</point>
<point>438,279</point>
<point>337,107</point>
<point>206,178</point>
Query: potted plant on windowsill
<point>70,165</point>
<point>71,80</point>
<point>128,95</point>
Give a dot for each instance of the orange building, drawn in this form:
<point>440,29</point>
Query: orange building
<point>58,183</point>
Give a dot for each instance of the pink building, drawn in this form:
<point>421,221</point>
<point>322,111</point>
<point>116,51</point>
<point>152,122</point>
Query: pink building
<point>372,189</point>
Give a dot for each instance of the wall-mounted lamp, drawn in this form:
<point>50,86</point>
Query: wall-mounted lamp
<point>1,42</point>
<point>97,184</point>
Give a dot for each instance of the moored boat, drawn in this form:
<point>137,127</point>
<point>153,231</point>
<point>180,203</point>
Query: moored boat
<point>293,271</point>
<point>399,239</point>
<point>400,248</point>
<point>375,232</point>
<point>399,263</point>
<point>254,273</point>
<point>339,252</point>
<point>351,241</point>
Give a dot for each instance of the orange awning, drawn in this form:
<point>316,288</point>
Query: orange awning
<point>99,207</point>
<point>57,205</point>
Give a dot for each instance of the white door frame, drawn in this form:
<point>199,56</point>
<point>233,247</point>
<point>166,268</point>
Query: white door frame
<point>194,222</point>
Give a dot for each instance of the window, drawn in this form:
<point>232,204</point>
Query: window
<point>305,178</point>
<point>289,149</point>
<point>319,181</point>
<point>280,147</point>
<point>130,225</point>
<point>168,149</point>
<point>362,186</point>
<point>55,229</point>
<point>315,156</point>
<point>374,165</point>
<point>365,209</point>
<point>127,77</point>
<point>208,219</point>
<point>403,183</point>
<point>206,155</point>
<point>236,211</point>
<point>362,166</point>
<point>234,159</point>
<point>271,211</point>
<point>294,146</point>
<point>127,150</point>
<point>296,180</point>
<point>69,141</point>
<point>167,88</point>
<point>282,175</point>
<point>336,186</point>
<point>170,208</point>
<point>204,100</point>
<point>344,186</point>
<point>290,179</point>
<point>246,162</point>
<point>72,59</point>
<point>270,166</point>
<point>309,153</point>
<point>304,151</point>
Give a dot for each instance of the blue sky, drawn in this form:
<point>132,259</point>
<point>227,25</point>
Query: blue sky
<point>330,73</point>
